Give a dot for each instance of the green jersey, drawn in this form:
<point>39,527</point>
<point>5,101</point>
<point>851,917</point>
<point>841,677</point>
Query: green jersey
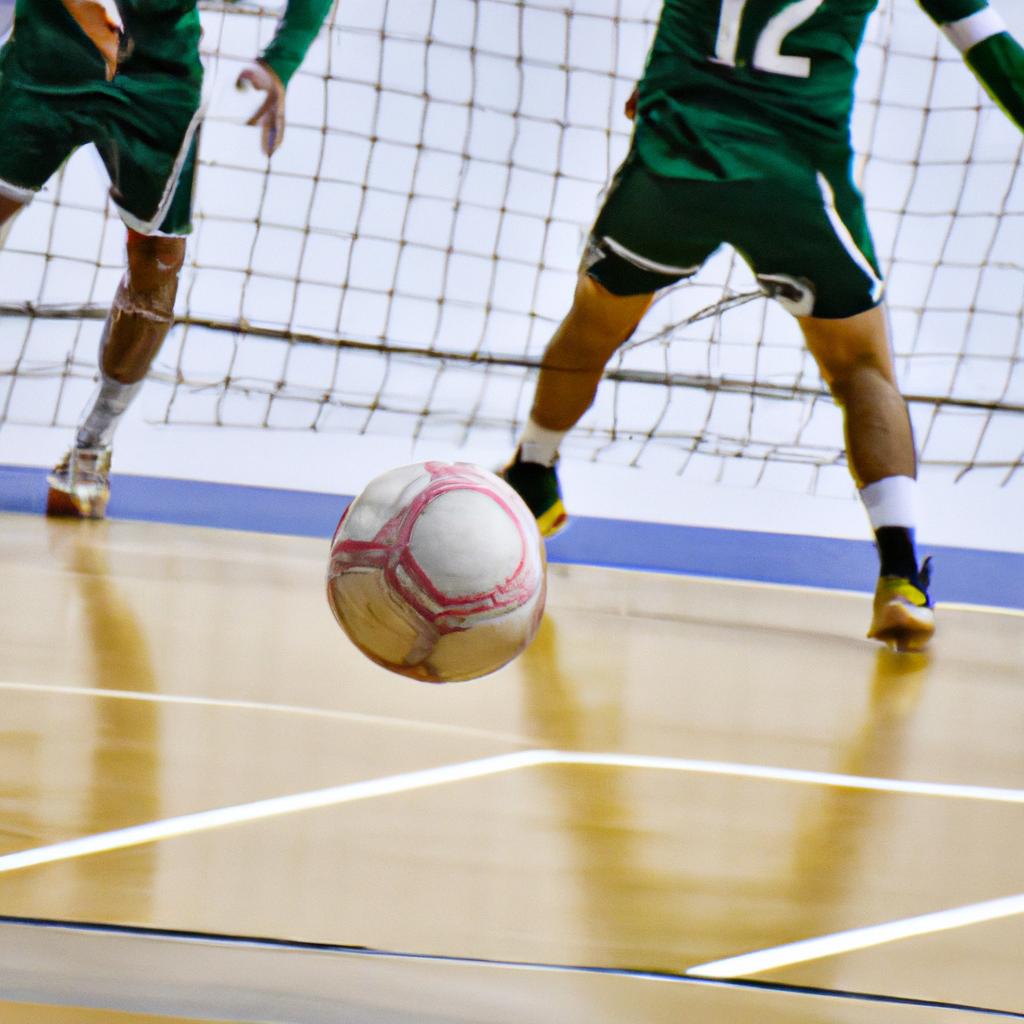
<point>743,137</point>
<point>161,39</point>
<point>792,64</point>
<point>55,97</point>
<point>739,88</point>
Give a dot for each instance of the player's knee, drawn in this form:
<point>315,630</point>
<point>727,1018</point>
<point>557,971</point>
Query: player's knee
<point>155,256</point>
<point>850,349</point>
<point>154,264</point>
<point>604,318</point>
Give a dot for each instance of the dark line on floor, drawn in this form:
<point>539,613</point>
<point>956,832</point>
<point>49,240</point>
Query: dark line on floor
<point>624,972</point>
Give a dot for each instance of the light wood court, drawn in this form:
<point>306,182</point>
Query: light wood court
<point>33,1013</point>
<point>678,772</point>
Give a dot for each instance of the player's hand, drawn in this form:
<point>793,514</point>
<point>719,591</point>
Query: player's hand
<point>101,21</point>
<point>270,116</point>
<point>631,103</point>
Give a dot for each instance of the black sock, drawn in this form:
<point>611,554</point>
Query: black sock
<point>896,552</point>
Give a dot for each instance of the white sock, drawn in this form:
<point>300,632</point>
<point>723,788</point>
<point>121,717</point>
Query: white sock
<point>538,444</point>
<point>891,501</point>
<point>108,405</point>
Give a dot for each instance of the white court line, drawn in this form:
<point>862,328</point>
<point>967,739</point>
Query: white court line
<point>285,709</point>
<point>950,790</point>
<point>859,938</point>
<point>960,606</point>
<point>188,824</point>
<point>202,821</point>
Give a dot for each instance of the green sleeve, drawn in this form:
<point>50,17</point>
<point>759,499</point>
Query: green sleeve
<point>944,11</point>
<point>995,57</point>
<point>998,63</point>
<point>295,34</point>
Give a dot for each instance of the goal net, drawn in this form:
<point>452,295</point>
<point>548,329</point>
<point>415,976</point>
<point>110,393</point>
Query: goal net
<point>399,265</point>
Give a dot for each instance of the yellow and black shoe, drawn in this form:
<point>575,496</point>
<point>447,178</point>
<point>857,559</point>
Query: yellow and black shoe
<point>538,486</point>
<point>80,484</point>
<point>903,617</point>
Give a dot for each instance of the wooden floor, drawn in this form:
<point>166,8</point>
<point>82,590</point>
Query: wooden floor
<point>150,672</point>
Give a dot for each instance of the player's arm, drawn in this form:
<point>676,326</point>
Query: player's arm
<point>988,49</point>
<point>298,27</point>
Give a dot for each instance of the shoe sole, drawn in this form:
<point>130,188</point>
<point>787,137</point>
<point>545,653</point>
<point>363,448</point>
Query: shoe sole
<point>63,505</point>
<point>900,627</point>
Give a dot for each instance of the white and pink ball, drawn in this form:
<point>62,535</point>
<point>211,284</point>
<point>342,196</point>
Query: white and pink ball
<point>437,572</point>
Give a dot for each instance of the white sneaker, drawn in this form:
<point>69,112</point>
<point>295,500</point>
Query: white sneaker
<point>80,484</point>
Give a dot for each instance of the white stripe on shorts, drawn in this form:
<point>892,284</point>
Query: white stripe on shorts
<point>974,29</point>
<point>150,227</point>
<point>643,262</point>
<point>844,236</point>
<point>16,192</point>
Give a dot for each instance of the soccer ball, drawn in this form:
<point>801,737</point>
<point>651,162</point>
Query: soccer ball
<point>437,572</point>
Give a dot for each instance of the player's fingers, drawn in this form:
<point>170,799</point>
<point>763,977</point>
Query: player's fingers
<point>257,118</point>
<point>279,123</point>
<point>108,42</point>
<point>273,129</point>
<point>110,57</point>
<point>270,115</point>
<point>109,45</point>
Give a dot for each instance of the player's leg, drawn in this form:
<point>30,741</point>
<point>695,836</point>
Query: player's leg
<point>822,267</point>
<point>140,316</point>
<point>598,322</point>
<point>9,206</point>
<point>571,369</point>
<point>632,252</point>
<point>153,190</point>
<point>855,358</point>
<point>9,209</point>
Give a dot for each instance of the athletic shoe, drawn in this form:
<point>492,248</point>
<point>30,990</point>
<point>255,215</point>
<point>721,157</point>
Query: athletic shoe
<point>538,486</point>
<point>80,484</point>
<point>903,615</point>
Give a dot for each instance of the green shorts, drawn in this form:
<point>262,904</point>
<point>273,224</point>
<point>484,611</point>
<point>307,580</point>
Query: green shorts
<point>805,236</point>
<point>145,131</point>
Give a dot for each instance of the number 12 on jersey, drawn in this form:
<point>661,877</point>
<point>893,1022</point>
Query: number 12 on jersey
<point>767,55</point>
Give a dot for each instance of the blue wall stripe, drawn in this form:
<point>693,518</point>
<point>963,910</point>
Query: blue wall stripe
<point>962,574</point>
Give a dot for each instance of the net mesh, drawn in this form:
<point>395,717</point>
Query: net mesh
<point>399,266</point>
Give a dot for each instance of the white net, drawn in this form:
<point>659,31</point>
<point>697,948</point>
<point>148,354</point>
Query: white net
<point>399,266</point>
